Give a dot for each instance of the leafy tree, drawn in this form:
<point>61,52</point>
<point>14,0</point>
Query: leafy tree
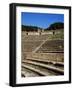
<point>55,26</point>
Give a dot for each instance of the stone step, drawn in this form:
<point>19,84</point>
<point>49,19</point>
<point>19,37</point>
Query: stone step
<point>28,73</point>
<point>49,67</point>
<point>46,61</point>
<point>40,73</point>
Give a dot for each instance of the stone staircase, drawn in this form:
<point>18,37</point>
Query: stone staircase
<point>38,67</point>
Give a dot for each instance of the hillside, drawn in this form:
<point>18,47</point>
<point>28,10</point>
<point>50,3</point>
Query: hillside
<point>55,26</point>
<point>30,28</point>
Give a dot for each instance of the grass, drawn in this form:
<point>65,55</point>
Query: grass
<point>57,36</point>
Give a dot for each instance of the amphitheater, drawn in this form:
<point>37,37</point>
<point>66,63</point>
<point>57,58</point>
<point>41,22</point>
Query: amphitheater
<point>41,55</point>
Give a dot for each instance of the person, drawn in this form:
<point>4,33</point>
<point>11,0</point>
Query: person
<point>53,32</point>
<point>26,33</point>
<point>40,32</point>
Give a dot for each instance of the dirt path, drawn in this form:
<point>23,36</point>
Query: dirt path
<point>39,46</point>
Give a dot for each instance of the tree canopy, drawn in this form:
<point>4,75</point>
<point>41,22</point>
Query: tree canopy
<point>55,26</point>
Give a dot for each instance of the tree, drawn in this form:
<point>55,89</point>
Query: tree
<point>55,26</point>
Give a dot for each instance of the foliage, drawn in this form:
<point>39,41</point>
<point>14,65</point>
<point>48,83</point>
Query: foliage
<point>30,28</point>
<point>55,26</point>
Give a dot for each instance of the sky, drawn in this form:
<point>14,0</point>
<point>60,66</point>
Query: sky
<point>42,20</point>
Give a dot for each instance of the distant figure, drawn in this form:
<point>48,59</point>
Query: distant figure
<point>53,32</point>
<point>26,33</point>
<point>40,33</point>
